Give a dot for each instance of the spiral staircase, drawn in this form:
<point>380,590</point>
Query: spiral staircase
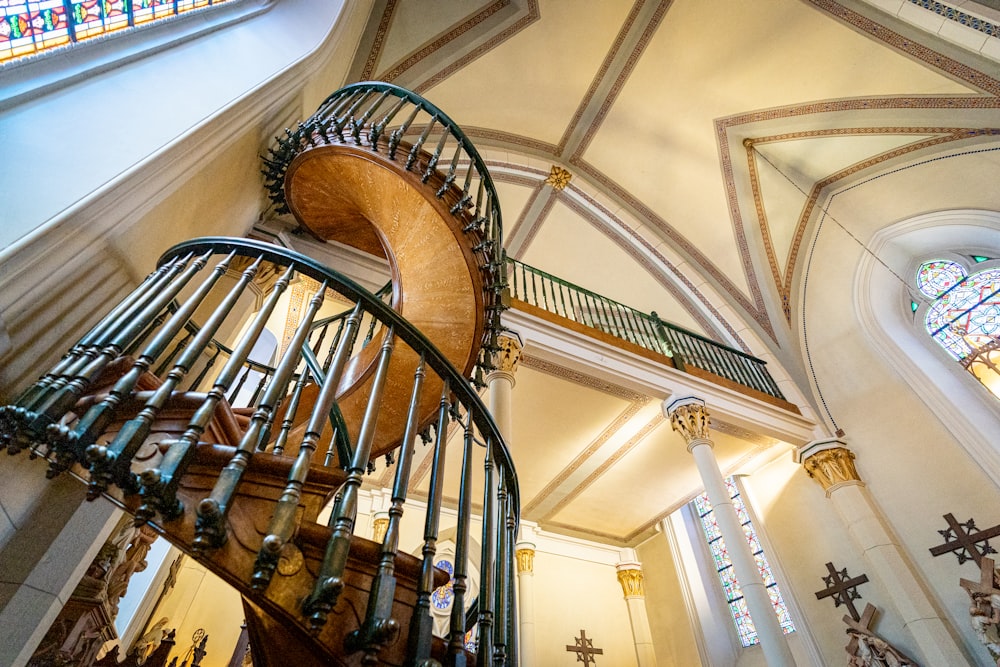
<point>150,407</point>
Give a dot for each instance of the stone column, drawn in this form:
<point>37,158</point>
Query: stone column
<point>380,524</point>
<point>689,417</point>
<point>501,381</point>
<point>525,552</point>
<point>831,463</point>
<point>630,577</point>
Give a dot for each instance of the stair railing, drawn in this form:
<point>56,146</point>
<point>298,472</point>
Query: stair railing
<point>398,124</point>
<point>97,389</point>
<point>555,295</point>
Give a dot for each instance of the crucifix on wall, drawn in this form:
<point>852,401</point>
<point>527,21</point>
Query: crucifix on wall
<point>584,649</point>
<point>842,588</point>
<point>964,540</point>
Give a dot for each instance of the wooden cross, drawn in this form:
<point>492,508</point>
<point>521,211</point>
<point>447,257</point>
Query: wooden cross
<point>962,538</point>
<point>584,649</point>
<point>986,586</point>
<point>843,589</point>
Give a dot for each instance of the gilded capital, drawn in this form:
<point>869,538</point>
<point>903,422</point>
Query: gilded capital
<point>631,581</point>
<point>525,560</point>
<point>690,418</point>
<point>830,463</point>
<point>505,359</point>
<point>380,524</point>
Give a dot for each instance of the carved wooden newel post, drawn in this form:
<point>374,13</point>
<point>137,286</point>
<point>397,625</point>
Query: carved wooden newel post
<point>689,417</point>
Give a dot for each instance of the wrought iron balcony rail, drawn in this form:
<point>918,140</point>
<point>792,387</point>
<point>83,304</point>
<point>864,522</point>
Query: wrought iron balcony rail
<point>543,290</point>
<point>98,406</point>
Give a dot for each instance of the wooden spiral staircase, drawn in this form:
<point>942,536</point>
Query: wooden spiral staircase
<point>147,407</point>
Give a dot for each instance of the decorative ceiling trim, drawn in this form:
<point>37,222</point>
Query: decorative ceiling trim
<point>509,138</point>
<point>937,60</point>
<point>620,79</point>
<point>783,282</point>
<point>755,309</point>
<point>536,222</point>
<point>589,381</point>
<point>609,431</point>
<point>378,43</point>
<point>617,235</point>
<point>490,44</point>
<point>608,463</point>
<point>683,298</point>
<point>602,73</point>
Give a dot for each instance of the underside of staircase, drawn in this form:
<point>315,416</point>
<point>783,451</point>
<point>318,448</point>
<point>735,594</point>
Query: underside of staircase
<point>148,410</point>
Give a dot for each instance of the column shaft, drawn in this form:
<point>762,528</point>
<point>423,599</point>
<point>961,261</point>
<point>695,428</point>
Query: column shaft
<point>765,620</point>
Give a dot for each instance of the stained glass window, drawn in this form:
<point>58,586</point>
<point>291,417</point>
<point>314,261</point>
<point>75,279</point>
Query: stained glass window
<point>29,27</point>
<point>724,566</point>
<point>442,596</point>
<point>964,316</point>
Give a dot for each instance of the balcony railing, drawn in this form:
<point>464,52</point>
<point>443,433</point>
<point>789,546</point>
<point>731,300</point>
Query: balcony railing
<point>687,349</point>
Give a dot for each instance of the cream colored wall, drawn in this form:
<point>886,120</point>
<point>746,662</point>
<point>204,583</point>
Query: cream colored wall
<point>200,600</point>
<point>673,635</point>
<point>914,467</point>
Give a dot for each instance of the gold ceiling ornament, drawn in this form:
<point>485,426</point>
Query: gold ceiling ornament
<point>631,581</point>
<point>831,466</point>
<point>690,418</point>
<point>525,560</point>
<point>558,178</point>
<point>505,359</point>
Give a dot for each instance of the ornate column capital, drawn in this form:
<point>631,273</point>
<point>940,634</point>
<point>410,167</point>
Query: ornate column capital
<point>505,359</point>
<point>689,417</point>
<point>380,524</point>
<point>830,462</point>
<point>525,553</point>
<point>630,578</point>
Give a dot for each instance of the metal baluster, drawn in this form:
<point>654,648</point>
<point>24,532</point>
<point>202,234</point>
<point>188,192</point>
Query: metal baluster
<point>456,639</point>
<point>360,122</point>
<point>436,156</point>
<point>208,367</point>
<point>70,444</point>
<point>339,123</point>
<point>397,135</point>
<point>378,128</point>
<point>61,395</point>
<point>283,521</point>
<point>98,335</point>
<point>450,176</point>
<point>487,575</point>
<point>466,199</point>
<point>379,627</point>
<point>501,632</point>
<point>210,527</point>
<point>239,385</point>
<point>415,149</point>
<point>421,623</point>
<point>329,581</point>
<point>111,462</point>
<point>290,410</point>
<point>181,344</point>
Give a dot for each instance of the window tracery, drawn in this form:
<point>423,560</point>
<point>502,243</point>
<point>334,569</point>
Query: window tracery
<point>963,314</point>
<point>727,575</point>
<point>31,27</point>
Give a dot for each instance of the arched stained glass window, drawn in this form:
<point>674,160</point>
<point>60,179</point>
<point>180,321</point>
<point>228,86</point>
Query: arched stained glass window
<point>727,575</point>
<point>27,28</point>
<point>963,315</point>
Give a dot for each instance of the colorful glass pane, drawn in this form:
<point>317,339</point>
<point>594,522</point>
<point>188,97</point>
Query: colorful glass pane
<point>937,277</point>
<point>724,566</point>
<point>28,27</point>
<point>967,316</point>
<point>442,596</point>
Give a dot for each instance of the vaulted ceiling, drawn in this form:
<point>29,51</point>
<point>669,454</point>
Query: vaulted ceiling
<point>701,140</point>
